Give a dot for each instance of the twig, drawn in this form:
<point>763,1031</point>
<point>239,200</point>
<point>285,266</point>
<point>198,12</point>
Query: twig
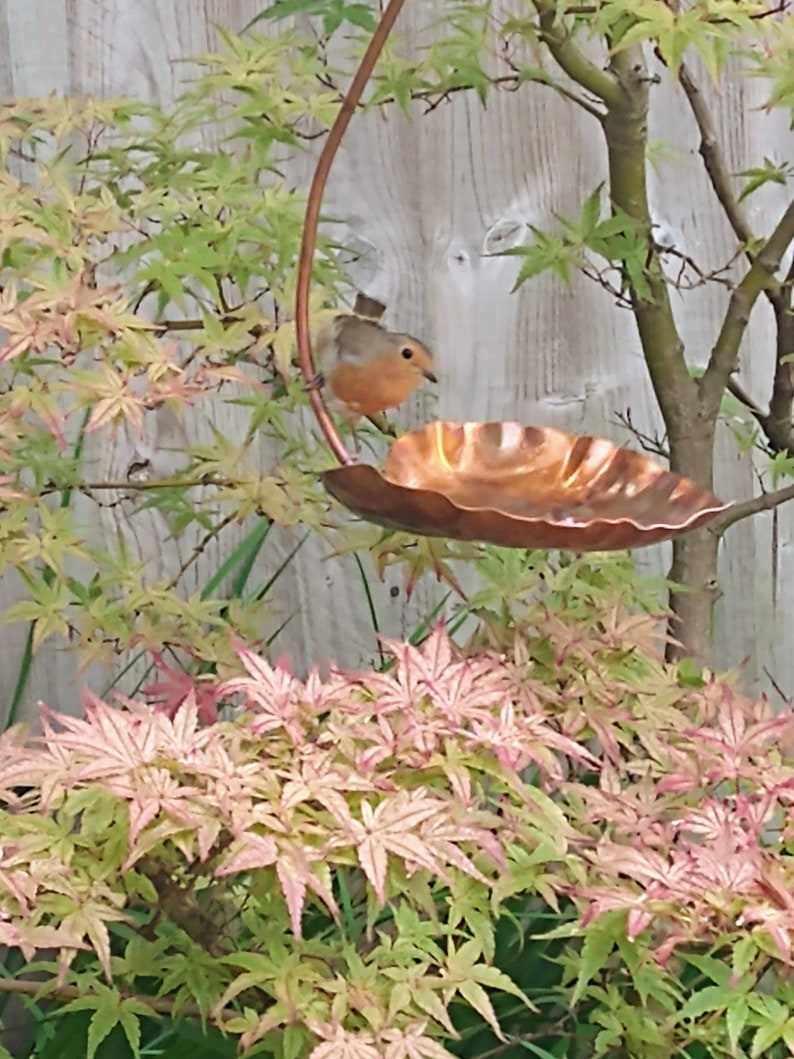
<point>760,275</point>
<point>712,20</point>
<point>519,1038</point>
<point>648,443</point>
<point>554,33</point>
<point>714,162</point>
<point>162,326</point>
<point>776,686</point>
<point>200,548</point>
<point>160,1005</point>
<point>744,508</point>
<point>776,425</point>
<point>554,84</point>
<point>434,97</point>
<point>744,397</point>
<point>600,276</point>
<point>133,485</point>
<point>776,438</point>
<point>703,277</point>
<point>782,399</point>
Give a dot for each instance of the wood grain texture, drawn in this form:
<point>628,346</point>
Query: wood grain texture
<point>426,203</point>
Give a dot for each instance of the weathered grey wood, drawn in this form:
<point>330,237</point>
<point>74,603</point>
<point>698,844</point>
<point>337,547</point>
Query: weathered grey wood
<point>426,201</point>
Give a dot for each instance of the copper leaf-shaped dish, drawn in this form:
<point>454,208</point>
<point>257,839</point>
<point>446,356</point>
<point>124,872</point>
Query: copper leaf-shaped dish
<point>524,487</point>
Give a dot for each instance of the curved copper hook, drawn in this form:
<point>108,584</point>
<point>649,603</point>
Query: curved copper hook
<point>312,216</point>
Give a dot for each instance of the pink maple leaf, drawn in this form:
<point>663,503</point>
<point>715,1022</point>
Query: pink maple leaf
<point>176,687</point>
<point>280,700</point>
<point>29,938</point>
<point>393,827</point>
<point>338,1043</point>
<point>445,837</point>
<point>249,851</point>
<point>411,1042</point>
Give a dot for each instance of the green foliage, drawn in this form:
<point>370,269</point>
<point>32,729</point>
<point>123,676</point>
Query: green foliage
<point>616,239</point>
<point>768,173</point>
<point>609,59</point>
<point>332,13</point>
<point>148,268</point>
<point>773,63</point>
<point>781,466</point>
<point>456,59</point>
<point>709,28</point>
<point>144,274</point>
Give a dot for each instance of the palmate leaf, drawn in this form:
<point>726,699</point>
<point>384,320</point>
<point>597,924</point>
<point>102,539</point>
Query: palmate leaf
<point>392,827</point>
<point>89,920</point>
<point>294,867</point>
<point>596,947</point>
<point>547,252</point>
<point>332,12</point>
<point>111,1010</point>
<point>768,173</point>
<point>343,1044</point>
<point>474,993</point>
<point>412,1043</point>
<point>466,974</point>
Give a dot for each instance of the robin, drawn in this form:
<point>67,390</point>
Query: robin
<point>367,368</point>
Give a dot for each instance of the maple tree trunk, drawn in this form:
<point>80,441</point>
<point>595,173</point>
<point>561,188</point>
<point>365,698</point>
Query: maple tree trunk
<point>694,568</point>
<point>689,406</point>
<point>689,420</point>
<point>694,565</point>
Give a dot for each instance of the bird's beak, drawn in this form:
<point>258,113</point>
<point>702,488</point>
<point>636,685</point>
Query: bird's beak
<point>429,375</point>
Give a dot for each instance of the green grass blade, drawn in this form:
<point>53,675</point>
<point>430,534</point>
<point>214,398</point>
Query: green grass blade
<point>263,591</point>
<point>244,557</point>
<point>373,614</point>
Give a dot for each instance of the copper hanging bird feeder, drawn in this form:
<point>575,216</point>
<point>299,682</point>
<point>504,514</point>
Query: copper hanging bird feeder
<point>524,487</point>
<point>519,486</point>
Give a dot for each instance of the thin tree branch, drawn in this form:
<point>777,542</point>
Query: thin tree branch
<point>777,687</point>
<point>200,548</point>
<point>573,97</point>
<point>744,508</point>
<point>653,444</point>
<point>725,355</point>
<point>741,395</point>
<point>715,163</point>
<point>159,1005</point>
<point>145,485</point>
<point>226,320</point>
<point>782,399</point>
<point>522,75</point>
<point>569,58</point>
<point>778,432</point>
<point>712,20</point>
<point>777,424</point>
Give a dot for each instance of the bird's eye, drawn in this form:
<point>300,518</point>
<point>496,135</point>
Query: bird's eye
<point>406,353</point>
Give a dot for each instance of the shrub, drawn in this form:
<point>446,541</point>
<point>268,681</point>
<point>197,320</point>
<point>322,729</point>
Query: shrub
<point>558,847</point>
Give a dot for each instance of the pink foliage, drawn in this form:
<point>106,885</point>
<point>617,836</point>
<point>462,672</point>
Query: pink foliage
<point>675,809</point>
<point>311,774</point>
<point>693,839</point>
<point>176,686</point>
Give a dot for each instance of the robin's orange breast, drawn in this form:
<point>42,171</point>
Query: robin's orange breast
<point>383,382</point>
